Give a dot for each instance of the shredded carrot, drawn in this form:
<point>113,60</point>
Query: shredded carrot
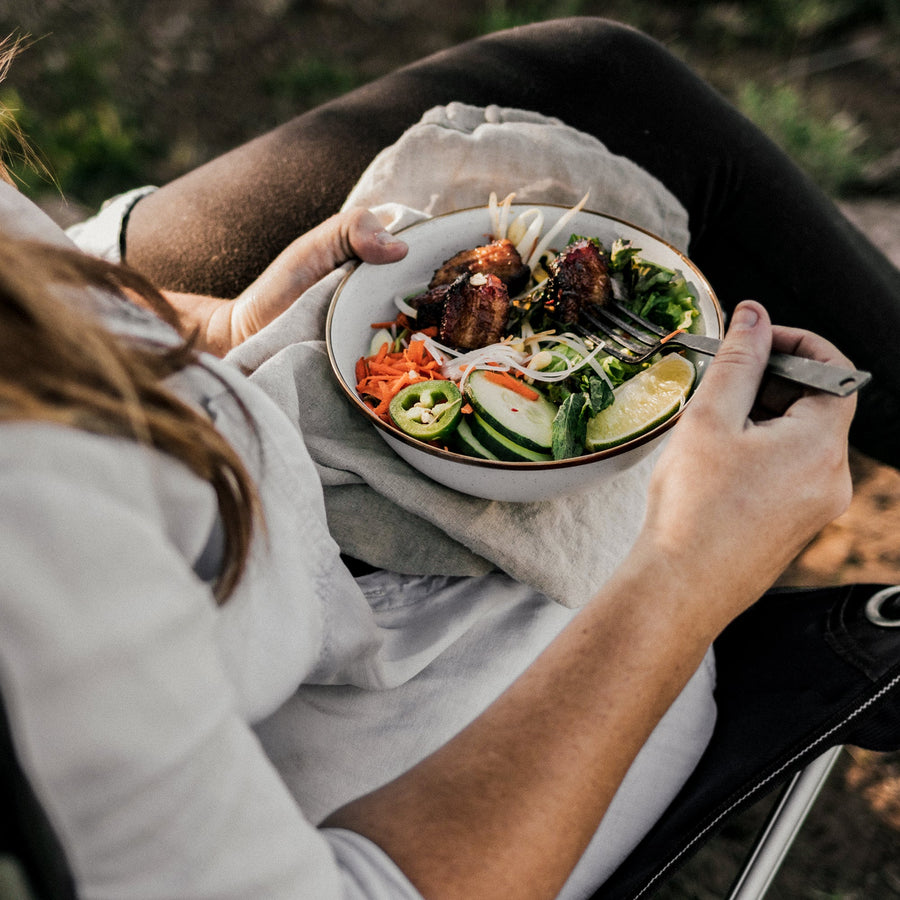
<point>386,373</point>
<point>384,324</point>
<point>504,379</point>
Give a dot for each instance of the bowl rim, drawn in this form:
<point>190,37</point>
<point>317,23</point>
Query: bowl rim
<point>499,465</point>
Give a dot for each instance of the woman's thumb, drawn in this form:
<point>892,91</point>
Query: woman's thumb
<point>370,242</point>
<point>737,369</point>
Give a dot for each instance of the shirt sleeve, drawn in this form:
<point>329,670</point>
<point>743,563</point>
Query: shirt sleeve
<point>120,708</point>
<point>103,234</point>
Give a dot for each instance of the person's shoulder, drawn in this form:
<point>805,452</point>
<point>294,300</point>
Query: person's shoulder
<point>35,445</point>
<point>68,494</point>
<point>52,461</point>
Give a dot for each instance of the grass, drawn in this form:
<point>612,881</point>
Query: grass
<point>311,80</point>
<point>90,143</point>
<point>91,150</point>
<point>830,147</point>
<point>500,14</point>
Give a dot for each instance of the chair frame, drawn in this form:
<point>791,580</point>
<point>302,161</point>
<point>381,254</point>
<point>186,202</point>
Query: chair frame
<point>782,827</point>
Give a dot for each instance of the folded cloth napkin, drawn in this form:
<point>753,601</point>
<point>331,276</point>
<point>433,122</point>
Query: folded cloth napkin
<point>382,511</point>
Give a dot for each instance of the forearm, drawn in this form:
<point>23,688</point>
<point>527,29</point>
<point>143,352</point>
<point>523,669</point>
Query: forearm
<point>507,807</point>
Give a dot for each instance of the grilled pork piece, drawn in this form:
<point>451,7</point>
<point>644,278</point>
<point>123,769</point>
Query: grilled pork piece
<point>476,308</point>
<point>429,306</point>
<point>498,258</point>
<point>579,277</point>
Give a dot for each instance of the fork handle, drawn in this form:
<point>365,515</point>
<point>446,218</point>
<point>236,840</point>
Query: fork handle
<point>808,372</point>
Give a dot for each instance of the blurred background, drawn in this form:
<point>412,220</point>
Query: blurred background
<point>117,93</point>
<point>120,92</point>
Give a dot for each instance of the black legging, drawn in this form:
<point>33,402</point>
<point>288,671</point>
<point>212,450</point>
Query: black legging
<point>759,227</point>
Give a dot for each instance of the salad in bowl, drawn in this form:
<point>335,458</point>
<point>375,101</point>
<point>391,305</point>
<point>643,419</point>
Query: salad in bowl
<point>476,356</point>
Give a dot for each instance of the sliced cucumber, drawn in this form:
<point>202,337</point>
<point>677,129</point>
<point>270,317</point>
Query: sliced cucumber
<point>465,441</point>
<point>527,422</point>
<point>500,445</point>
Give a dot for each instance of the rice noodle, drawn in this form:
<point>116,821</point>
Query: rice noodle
<point>563,220</point>
<point>495,216</point>
<point>499,214</point>
<point>526,237</point>
<point>506,356</point>
<point>405,308</point>
<point>504,216</point>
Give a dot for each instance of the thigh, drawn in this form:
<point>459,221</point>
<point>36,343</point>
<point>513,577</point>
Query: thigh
<point>216,227</point>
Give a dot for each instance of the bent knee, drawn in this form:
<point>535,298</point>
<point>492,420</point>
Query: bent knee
<point>593,36</point>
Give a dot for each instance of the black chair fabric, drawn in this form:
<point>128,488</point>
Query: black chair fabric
<point>801,671</point>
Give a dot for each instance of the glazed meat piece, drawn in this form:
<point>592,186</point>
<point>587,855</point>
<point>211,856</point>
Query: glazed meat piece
<point>476,309</point>
<point>498,258</point>
<point>579,277</point>
<point>429,306</point>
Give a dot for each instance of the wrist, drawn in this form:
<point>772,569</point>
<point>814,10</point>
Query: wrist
<point>680,591</point>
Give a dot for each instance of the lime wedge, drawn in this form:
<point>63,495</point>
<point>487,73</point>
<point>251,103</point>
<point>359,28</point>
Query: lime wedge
<point>642,403</point>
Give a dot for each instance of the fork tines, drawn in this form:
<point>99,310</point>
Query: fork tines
<point>621,332</point>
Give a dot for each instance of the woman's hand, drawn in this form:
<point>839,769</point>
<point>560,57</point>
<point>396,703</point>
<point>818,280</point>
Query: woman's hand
<point>749,477</point>
<point>223,324</point>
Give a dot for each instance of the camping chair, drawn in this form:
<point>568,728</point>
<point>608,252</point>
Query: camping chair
<point>800,674</point>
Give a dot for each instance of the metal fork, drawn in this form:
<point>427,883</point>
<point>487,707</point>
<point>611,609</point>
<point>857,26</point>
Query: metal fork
<point>633,339</point>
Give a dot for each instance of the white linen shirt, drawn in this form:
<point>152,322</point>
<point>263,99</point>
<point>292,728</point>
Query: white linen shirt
<point>130,693</point>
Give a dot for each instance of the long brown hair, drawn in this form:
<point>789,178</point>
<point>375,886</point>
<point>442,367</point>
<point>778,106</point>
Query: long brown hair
<point>57,364</point>
<point>13,143</point>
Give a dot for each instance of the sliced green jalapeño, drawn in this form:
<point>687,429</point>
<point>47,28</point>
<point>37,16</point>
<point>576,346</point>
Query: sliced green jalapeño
<point>427,410</point>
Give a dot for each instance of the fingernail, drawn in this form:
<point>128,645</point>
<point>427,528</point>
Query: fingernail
<point>745,317</point>
<point>386,238</point>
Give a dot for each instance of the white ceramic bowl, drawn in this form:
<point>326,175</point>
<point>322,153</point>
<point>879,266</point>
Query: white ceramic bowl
<point>366,296</point>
